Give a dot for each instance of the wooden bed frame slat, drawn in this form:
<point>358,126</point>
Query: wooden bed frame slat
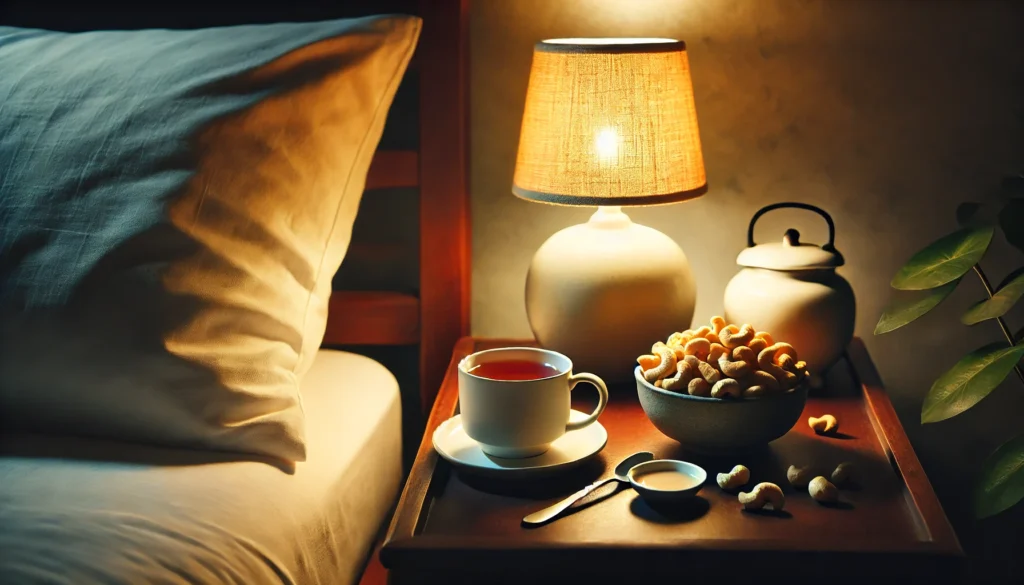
<point>444,187</point>
<point>394,168</point>
<point>372,318</point>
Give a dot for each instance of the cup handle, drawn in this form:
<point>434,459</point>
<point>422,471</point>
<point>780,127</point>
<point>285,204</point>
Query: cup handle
<point>602,398</point>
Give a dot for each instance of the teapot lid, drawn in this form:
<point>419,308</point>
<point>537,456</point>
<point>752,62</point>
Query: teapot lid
<point>790,254</point>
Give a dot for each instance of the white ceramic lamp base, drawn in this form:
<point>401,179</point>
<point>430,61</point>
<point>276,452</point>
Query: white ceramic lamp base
<point>603,292</point>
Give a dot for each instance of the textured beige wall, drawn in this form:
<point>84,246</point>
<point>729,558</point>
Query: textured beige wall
<point>887,113</point>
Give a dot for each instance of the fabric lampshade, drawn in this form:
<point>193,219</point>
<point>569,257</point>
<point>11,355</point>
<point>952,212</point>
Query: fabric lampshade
<point>609,122</point>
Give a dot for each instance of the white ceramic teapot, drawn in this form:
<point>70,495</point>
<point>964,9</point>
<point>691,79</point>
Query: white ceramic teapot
<point>791,290</point>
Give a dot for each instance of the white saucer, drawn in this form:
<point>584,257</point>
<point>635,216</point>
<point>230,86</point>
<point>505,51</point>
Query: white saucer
<point>573,448</point>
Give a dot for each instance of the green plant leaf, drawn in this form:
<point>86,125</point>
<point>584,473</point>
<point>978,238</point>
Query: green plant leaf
<point>903,311</point>
<point>944,260</point>
<point>1009,292</point>
<point>1011,219</point>
<point>1001,484</point>
<point>970,380</point>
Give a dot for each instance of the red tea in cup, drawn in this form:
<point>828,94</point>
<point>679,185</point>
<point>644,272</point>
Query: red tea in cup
<point>514,370</point>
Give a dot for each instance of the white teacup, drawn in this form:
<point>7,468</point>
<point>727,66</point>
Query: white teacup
<point>515,418</point>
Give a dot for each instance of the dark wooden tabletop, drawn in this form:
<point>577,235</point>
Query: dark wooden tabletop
<point>450,527</point>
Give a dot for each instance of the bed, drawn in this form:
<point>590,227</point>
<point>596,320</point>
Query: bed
<point>92,510</point>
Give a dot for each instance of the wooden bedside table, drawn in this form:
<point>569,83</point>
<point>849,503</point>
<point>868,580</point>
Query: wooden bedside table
<point>450,528</point>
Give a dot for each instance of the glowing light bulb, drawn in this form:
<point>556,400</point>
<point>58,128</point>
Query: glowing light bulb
<point>606,144</point>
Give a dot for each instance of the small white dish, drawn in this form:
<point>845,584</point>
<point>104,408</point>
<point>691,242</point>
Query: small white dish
<point>681,480</point>
<point>573,448</point>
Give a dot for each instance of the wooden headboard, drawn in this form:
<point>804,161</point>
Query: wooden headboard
<point>438,315</point>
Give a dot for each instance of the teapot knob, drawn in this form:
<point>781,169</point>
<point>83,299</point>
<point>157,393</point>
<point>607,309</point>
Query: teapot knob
<point>791,238</point>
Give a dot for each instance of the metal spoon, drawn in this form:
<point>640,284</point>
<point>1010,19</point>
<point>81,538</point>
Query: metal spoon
<point>621,470</point>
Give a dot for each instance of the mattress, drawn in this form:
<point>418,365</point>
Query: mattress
<point>86,511</point>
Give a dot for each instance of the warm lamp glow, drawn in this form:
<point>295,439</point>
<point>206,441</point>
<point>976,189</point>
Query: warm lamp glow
<point>610,121</point>
<point>606,145</point>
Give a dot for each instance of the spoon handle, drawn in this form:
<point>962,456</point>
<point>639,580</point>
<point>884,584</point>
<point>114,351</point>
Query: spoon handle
<point>553,510</point>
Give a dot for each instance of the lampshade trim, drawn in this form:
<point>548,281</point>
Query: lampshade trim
<point>561,199</point>
<point>611,49</point>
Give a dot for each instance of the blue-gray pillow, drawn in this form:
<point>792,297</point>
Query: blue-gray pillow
<point>173,205</point>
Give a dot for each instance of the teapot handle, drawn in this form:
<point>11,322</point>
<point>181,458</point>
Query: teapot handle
<point>830,246</point>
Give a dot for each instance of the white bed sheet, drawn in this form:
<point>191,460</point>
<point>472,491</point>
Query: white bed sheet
<point>90,511</point>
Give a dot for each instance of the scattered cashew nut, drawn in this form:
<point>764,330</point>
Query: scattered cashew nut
<point>726,388</point>
<point>824,425</point>
<point>763,494</point>
<point>738,477</point>
<point>822,490</point>
<point>843,473</point>
<point>799,476</point>
<point>666,366</point>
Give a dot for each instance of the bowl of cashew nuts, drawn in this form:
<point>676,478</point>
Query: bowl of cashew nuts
<point>721,387</point>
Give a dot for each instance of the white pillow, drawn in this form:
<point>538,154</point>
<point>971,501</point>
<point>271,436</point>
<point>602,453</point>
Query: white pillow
<point>173,206</point>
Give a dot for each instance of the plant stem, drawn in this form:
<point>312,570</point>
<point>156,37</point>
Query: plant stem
<point>1002,323</point>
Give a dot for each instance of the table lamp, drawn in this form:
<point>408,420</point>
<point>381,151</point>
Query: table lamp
<point>609,122</point>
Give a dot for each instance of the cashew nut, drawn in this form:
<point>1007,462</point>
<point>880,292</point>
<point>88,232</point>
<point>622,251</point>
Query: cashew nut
<point>799,476</point>
<point>726,388</point>
<point>717,351</point>
<point>825,425</point>
<point>767,337</point>
<point>648,362</point>
<point>822,490</point>
<point>766,361</point>
<point>666,366</point>
<point>679,351</point>
<point>732,337</point>
<point>709,372</point>
<point>738,477</point>
<point>762,378</point>
<point>754,392</point>
<point>680,338</point>
<point>843,473</point>
<point>698,347</point>
<point>713,337</point>
<point>701,331</point>
<point>684,373</point>
<point>699,387</point>
<point>717,323</point>
<point>746,354</point>
<point>763,494</point>
<point>757,344</point>
<point>738,369</point>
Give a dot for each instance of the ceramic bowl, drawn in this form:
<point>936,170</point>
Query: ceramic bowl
<point>692,474</point>
<point>717,425</point>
